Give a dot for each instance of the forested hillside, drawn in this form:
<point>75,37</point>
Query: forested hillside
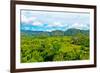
<point>40,46</point>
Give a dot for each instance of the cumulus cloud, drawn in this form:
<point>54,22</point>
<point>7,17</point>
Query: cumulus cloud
<point>79,26</point>
<point>57,24</point>
<point>48,21</point>
<point>37,23</point>
<point>25,19</point>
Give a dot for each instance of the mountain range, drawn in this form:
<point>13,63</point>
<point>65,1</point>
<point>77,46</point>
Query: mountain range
<point>69,32</point>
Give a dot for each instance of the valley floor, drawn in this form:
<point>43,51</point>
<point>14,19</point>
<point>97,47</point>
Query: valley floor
<point>54,48</point>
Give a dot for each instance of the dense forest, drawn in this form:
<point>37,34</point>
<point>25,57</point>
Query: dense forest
<point>43,46</point>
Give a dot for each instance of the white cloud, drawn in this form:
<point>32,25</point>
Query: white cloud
<point>57,24</point>
<point>27,19</point>
<point>79,26</point>
<point>49,30</point>
<point>37,23</point>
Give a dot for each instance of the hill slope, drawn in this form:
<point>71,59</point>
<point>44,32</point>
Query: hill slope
<point>69,32</point>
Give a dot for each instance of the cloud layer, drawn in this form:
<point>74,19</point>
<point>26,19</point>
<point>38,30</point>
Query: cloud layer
<point>48,21</point>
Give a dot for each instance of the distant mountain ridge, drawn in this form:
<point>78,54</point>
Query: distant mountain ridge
<point>69,32</point>
<point>75,31</point>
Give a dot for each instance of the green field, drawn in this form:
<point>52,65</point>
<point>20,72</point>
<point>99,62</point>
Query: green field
<point>54,48</point>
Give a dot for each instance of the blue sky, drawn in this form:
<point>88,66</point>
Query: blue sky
<point>51,20</point>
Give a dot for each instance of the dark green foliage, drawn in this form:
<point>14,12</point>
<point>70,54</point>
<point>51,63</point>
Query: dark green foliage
<point>45,47</point>
<point>80,39</point>
<point>57,33</point>
<point>71,32</point>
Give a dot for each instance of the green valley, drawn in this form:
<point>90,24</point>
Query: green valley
<point>54,46</point>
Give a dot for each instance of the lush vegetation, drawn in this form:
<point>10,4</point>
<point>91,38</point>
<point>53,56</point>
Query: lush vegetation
<point>54,46</point>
